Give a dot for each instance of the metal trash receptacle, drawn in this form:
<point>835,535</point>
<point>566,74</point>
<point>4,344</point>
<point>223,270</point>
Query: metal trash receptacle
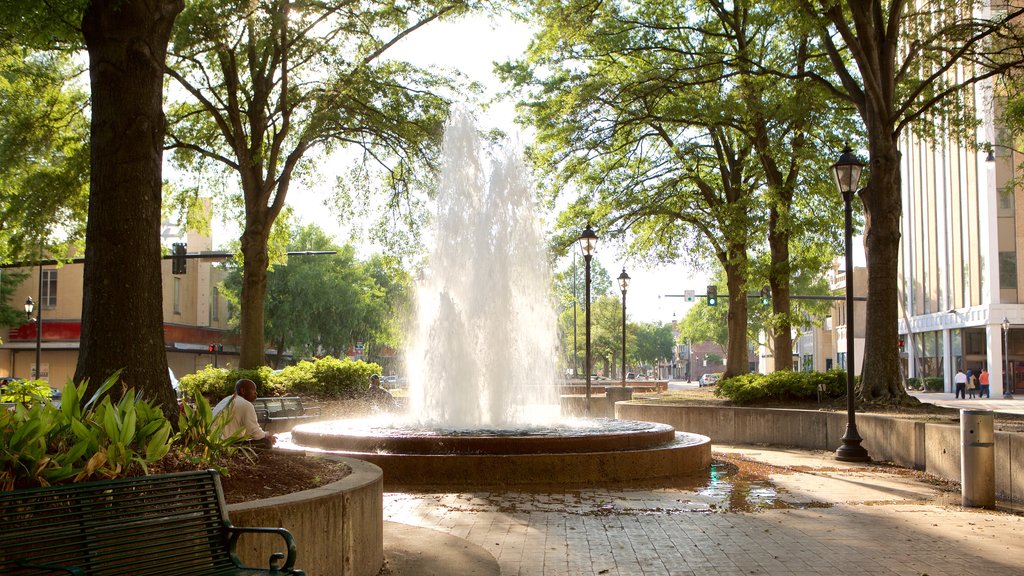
<point>977,458</point>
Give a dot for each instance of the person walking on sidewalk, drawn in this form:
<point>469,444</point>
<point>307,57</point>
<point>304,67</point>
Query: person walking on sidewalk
<point>960,380</point>
<point>972,384</point>
<point>983,392</point>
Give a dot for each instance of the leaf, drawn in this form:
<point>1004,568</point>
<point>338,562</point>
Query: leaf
<point>158,445</point>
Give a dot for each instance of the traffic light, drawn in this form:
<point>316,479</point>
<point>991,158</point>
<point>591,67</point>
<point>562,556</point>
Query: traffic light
<point>766,295</point>
<point>178,251</point>
<point>712,295</point>
<point>901,342</point>
<point>215,348</point>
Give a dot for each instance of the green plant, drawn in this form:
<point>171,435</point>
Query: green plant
<point>41,444</point>
<point>934,383</point>
<point>915,383</point>
<point>26,391</point>
<point>216,383</point>
<point>782,385</point>
<point>200,438</point>
<point>328,377</point>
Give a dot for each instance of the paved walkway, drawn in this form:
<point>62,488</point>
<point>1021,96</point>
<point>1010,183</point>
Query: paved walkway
<point>996,403</point>
<point>776,512</point>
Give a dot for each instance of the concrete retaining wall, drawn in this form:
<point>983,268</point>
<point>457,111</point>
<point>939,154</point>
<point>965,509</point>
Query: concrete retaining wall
<point>338,528</point>
<point>928,446</point>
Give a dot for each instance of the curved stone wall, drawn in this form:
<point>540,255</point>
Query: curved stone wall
<point>338,528</point>
<point>928,446</point>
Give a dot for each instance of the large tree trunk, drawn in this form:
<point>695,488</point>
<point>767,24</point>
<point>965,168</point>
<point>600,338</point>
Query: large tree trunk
<point>122,314</point>
<point>882,210</point>
<point>737,361</point>
<point>254,290</point>
<point>779,273</point>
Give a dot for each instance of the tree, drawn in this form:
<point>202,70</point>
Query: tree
<point>44,155</point>
<point>122,314</point>
<point>272,83</point>
<point>322,304</point>
<point>630,109</point>
<point>653,342</point>
<point>569,288</point>
<point>904,65</point>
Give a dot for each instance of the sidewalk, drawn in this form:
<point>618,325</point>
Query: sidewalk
<point>804,513</point>
<point>995,403</point>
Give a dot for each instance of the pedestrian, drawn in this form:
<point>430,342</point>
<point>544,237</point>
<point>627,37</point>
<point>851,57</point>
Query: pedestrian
<point>241,416</point>
<point>984,392</point>
<point>960,380</point>
<point>380,399</point>
<point>972,384</point>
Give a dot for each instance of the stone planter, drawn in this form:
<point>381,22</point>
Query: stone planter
<point>338,528</point>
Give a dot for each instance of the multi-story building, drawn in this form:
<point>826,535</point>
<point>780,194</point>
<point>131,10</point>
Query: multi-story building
<point>195,316</point>
<point>963,232</point>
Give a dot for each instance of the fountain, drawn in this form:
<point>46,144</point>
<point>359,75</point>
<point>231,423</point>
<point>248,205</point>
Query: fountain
<point>483,401</point>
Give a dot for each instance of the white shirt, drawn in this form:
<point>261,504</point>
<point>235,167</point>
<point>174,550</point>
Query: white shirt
<point>242,416</point>
<point>960,378</point>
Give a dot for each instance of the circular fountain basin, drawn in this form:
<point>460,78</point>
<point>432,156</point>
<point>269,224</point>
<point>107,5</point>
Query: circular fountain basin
<point>583,452</point>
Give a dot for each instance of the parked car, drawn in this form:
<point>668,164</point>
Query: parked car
<point>630,376</point>
<point>710,379</point>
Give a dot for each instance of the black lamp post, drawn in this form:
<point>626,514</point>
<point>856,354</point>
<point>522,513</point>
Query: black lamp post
<point>29,306</point>
<point>846,172</point>
<point>588,244</point>
<point>1007,381</point>
<point>623,285</point>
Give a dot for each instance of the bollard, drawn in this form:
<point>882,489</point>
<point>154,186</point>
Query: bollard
<point>977,459</point>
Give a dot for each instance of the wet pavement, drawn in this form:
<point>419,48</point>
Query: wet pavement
<point>760,511</point>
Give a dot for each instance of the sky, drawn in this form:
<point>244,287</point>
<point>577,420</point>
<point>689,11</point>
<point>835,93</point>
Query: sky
<point>471,46</point>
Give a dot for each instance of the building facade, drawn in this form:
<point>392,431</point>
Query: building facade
<point>962,237</point>
<point>195,316</point>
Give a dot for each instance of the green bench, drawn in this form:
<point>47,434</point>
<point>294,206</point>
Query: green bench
<point>165,524</point>
<point>282,413</point>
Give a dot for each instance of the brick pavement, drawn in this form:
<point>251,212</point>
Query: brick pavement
<point>815,517</point>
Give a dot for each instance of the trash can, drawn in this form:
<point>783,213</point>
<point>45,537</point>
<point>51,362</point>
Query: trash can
<point>977,459</point>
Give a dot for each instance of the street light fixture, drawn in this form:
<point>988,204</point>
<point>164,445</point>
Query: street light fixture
<point>1007,381</point>
<point>29,307</point>
<point>623,285</point>
<point>588,244</point>
<point>846,173</point>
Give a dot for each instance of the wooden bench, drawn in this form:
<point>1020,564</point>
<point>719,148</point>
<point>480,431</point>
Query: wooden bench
<point>282,413</point>
<point>166,524</point>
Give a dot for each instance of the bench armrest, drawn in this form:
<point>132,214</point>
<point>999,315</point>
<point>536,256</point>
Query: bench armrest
<point>288,568</point>
<point>73,570</point>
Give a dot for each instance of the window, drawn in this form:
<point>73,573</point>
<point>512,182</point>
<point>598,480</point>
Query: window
<point>177,295</point>
<point>1008,270</point>
<point>214,304</point>
<point>49,287</point>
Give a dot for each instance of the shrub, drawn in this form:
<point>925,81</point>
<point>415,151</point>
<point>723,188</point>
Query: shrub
<point>216,383</point>
<point>328,377</point>
<point>914,383</point>
<point>26,391</point>
<point>934,383</point>
<point>42,444</point>
<point>200,439</point>
<point>782,385</point>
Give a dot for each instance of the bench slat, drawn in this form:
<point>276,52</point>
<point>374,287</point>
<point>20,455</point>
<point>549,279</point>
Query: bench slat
<point>145,526</point>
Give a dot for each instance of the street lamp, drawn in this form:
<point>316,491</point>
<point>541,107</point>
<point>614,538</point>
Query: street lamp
<point>1007,381</point>
<point>29,307</point>
<point>623,285</point>
<point>846,173</point>
<point>588,243</point>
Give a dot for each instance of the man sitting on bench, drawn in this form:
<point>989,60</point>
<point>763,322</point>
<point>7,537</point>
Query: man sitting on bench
<point>241,415</point>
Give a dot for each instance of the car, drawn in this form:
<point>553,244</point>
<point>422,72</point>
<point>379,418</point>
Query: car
<point>630,376</point>
<point>709,379</point>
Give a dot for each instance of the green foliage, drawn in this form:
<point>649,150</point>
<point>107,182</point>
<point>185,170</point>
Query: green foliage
<point>216,383</point>
<point>42,445</point>
<point>653,342</point>
<point>26,391</point>
<point>200,438</point>
<point>781,386</point>
<point>934,384</point>
<point>329,377</point>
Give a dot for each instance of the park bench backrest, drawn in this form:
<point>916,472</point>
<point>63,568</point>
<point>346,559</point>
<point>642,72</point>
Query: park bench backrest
<point>163,524</point>
<point>280,407</point>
